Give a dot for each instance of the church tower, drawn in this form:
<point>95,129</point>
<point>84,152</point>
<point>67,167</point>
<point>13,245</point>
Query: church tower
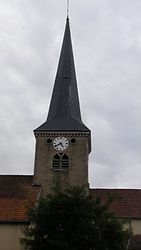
<point>63,142</point>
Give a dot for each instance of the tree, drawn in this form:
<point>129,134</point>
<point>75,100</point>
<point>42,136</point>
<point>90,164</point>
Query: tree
<point>71,220</point>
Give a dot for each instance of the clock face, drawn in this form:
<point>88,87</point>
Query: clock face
<point>60,143</point>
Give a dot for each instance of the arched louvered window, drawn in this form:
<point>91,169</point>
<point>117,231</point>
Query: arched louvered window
<point>56,162</point>
<point>60,161</point>
<point>65,161</point>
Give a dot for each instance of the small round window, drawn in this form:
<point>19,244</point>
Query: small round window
<point>49,141</point>
<point>73,140</point>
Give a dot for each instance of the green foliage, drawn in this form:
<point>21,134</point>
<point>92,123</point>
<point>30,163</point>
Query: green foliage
<point>71,220</point>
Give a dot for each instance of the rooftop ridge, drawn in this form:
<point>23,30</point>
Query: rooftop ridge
<point>15,175</point>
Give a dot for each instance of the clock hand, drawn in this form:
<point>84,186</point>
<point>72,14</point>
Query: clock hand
<point>60,143</point>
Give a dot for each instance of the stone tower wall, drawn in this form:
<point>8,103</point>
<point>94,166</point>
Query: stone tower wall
<point>76,174</point>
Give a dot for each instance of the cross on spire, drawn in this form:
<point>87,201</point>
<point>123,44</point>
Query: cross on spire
<point>67,8</point>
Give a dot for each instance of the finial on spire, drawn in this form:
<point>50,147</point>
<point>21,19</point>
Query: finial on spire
<point>67,9</point>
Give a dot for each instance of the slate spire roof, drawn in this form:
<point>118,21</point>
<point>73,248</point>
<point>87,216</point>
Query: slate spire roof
<point>64,112</point>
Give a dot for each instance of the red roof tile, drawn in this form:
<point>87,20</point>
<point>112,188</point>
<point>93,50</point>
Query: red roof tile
<point>127,202</point>
<point>17,194</point>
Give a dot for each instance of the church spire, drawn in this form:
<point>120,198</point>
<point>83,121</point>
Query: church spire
<point>64,112</point>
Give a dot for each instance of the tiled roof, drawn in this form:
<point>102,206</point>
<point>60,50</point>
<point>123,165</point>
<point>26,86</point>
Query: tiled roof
<point>135,243</point>
<point>17,194</point>
<point>127,202</point>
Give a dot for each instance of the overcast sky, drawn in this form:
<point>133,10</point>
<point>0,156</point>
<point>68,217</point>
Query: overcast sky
<point>106,37</point>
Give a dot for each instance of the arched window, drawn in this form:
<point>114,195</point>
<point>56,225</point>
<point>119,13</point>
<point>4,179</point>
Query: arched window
<point>60,161</point>
<point>56,162</point>
<point>65,161</point>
